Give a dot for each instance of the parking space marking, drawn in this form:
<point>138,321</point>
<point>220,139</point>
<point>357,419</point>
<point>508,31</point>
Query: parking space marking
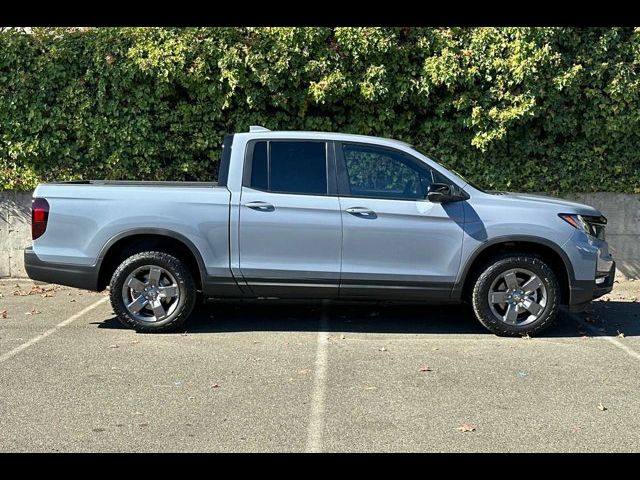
<point>617,343</point>
<point>609,339</point>
<point>316,420</point>
<point>34,340</point>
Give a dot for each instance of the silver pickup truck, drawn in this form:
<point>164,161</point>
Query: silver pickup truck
<point>320,215</point>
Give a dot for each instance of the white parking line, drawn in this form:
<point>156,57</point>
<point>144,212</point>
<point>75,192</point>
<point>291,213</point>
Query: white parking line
<point>609,339</point>
<point>316,420</point>
<point>617,343</point>
<point>34,340</point>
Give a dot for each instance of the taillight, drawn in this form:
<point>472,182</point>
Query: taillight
<point>39,217</point>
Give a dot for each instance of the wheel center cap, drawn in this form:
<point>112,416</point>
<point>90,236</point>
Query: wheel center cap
<point>152,293</point>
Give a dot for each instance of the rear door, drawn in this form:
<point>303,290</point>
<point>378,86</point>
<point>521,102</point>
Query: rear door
<point>396,244</point>
<point>290,224</point>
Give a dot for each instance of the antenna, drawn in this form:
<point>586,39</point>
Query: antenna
<point>258,128</point>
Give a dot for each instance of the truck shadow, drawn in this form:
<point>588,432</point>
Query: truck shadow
<point>602,318</point>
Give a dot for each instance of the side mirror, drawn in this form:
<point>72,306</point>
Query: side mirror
<point>443,193</point>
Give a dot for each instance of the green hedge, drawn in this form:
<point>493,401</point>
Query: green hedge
<point>537,109</point>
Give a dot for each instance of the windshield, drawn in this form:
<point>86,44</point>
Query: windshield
<point>474,185</point>
<point>431,157</point>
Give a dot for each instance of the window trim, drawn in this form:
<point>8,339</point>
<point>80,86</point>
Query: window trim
<point>344,187</point>
<point>225,160</point>
<point>332,189</point>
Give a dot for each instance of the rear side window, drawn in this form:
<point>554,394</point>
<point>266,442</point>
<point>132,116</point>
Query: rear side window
<point>259,167</point>
<point>290,167</point>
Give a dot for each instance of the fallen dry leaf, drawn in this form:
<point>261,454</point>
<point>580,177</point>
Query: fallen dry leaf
<point>215,385</point>
<point>465,427</point>
<point>36,290</point>
<point>426,369</point>
<point>4,314</point>
<point>43,291</point>
<point>601,407</point>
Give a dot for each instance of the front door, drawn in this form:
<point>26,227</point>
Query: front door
<point>396,244</point>
<point>290,227</point>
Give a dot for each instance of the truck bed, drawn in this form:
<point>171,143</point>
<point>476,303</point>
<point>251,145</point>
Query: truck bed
<point>135,183</point>
<point>86,216</point>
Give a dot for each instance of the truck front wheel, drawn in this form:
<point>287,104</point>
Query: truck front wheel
<point>516,295</point>
<point>152,292</point>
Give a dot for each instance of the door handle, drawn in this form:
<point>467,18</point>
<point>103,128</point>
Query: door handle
<point>361,212</point>
<point>262,206</point>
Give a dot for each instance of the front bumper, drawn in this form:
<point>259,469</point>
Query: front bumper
<point>78,276</point>
<point>583,292</point>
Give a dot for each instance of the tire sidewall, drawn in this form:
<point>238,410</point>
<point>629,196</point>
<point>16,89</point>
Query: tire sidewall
<point>492,271</point>
<point>183,278</point>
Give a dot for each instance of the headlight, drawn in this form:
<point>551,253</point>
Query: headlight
<point>591,225</point>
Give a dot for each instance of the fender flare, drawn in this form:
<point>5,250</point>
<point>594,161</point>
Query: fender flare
<point>153,231</point>
<point>460,282</point>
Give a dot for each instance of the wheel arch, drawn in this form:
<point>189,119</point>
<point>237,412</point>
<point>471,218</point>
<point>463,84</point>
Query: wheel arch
<point>136,240</point>
<point>556,257</point>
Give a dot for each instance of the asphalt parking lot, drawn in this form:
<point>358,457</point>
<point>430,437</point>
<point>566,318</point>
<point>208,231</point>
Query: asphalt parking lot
<point>322,377</point>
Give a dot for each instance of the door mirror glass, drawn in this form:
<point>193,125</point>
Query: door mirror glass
<point>442,193</point>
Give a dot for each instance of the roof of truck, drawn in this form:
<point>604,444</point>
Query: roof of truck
<point>261,132</point>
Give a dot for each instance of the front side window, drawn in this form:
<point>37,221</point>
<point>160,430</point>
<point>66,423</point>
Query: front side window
<point>382,173</point>
<point>290,167</point>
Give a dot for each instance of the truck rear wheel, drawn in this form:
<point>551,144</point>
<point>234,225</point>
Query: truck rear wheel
<point>152,292</point>
<point>516,295</point>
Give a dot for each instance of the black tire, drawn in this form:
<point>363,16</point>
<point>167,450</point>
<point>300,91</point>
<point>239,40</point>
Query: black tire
<point>492,271</point>
<point>186,287</point>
